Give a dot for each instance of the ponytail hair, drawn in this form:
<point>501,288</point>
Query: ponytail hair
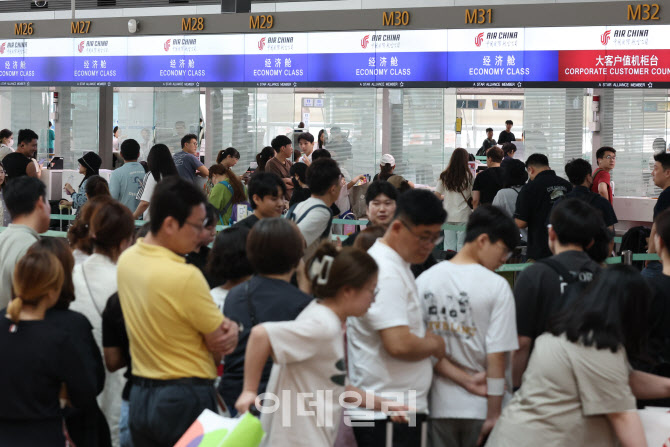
<point>264,156</point>
<point>329,269</point>
<point>386,171</point>
<point>111,224</point>
<point>239,194</point>
<point>35,275</point>
<point>78,234</point>
<point>228,152</point>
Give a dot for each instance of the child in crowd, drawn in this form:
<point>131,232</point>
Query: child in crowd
<point>228,265</point>
<point>309,352</point>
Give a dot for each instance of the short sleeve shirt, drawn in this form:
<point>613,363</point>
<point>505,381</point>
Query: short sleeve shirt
<point>309,355</point>
<point>597,201</point>
<point>186,164</point>
<point>567,391</point>
<point>167,309</point>
<point>505,137</point>
<point>488,183</point>
<point>371,367</point>
<point>537,291</point>
<point>282,170</point>
<point>15,165</point>
<point>472,309</point>
<point>534,205</point>
<point>602,177</point>
<point>663,202</point>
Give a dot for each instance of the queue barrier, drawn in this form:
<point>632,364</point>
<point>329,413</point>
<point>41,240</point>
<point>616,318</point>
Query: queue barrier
<point>504,268</point>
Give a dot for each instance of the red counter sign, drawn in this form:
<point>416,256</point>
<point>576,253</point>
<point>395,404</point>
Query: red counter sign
<point>614,66</point>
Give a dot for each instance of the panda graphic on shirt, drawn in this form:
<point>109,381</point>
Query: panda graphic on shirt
<point>450,316</point>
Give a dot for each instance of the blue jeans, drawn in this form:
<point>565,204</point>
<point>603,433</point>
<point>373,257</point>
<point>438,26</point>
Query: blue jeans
<point>124,429</point>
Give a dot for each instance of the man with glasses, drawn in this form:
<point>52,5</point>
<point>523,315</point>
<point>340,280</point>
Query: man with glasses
<point>389,348</point>
<point>472,309</point>
<point>177,334</point>
<point>539,289</point>
<point>602,180</point>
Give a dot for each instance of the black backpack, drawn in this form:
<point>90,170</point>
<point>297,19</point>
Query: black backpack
<point>635,240</point>
<point>572,286</point>
<point>291,216</point>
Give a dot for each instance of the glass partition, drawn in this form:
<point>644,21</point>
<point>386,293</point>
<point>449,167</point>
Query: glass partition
<point>26,108</point>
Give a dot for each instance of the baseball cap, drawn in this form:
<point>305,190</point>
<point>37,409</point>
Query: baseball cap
<point>387,159</point>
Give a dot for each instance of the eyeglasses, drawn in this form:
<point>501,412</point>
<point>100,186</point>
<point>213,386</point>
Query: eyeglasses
<point>506,250</point>
<point>374,291</point>
<point>435,239</point>
<point>198,226</point>
<point>610,157</point>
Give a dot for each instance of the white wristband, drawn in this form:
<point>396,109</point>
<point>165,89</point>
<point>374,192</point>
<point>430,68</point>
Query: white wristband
<point>495,387</point>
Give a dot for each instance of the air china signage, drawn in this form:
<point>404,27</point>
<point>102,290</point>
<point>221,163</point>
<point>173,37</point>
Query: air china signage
<point>618,56</point>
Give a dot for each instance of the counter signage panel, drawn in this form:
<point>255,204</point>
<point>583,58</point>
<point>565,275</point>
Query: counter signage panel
<point>597,56</point>
<point>275,60</point>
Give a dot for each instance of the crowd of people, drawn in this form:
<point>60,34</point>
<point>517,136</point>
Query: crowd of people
<point>122,336</point>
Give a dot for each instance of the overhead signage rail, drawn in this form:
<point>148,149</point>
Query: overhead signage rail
<point>595,56</point>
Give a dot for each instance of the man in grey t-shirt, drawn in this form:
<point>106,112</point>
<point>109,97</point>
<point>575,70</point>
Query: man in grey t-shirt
<point>187,163</point>
<point>26,201</point>
<point>125,182</point>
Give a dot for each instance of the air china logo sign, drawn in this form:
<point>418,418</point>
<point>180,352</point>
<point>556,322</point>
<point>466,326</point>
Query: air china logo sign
<point>509,39</point>
<point>381,41</point>
<point>622,37</point>
<point>605,37</point>
<point>13,48</point>
<point>180,45</point>
<point>273,44</point>
<point>93,47</point>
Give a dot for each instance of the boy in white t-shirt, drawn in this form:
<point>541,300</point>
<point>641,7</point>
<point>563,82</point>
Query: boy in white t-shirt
<point>472,308</point>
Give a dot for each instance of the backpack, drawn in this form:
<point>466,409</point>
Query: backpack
<point>572,285</point>
<point>635,240</point>
<point>291,216</point>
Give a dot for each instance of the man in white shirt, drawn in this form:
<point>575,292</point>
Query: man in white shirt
<point>306,143</point>
<point>389,348</point>
<point>472,309</point>
<point>26,201</point>
<point>313,216</point>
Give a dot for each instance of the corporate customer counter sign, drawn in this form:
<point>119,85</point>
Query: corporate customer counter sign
<point>597,56</point>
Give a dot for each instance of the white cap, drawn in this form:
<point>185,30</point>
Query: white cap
<point>387,159</point>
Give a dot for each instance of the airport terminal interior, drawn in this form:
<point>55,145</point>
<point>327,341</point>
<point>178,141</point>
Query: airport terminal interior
<point>491,306</point>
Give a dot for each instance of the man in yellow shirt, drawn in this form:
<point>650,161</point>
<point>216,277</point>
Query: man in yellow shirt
<point>176,332</point>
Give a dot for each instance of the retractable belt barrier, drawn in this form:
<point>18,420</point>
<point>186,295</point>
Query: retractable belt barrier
<point>342,237</point>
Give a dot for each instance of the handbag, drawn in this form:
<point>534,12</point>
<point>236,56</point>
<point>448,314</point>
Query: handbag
<point>468,201</point>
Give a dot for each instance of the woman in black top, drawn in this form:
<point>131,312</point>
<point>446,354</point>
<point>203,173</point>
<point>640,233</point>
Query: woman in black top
<point>301,191</point>
<point>38,359</point>
<point>86,427</point>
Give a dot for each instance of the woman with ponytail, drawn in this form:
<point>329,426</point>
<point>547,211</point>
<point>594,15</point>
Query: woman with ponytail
<point>38,359</point>
<point>227,191</point>
<point>309,352</point>
<point>78,234</point>
<point>111,231</point>
<point>263,157</point>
